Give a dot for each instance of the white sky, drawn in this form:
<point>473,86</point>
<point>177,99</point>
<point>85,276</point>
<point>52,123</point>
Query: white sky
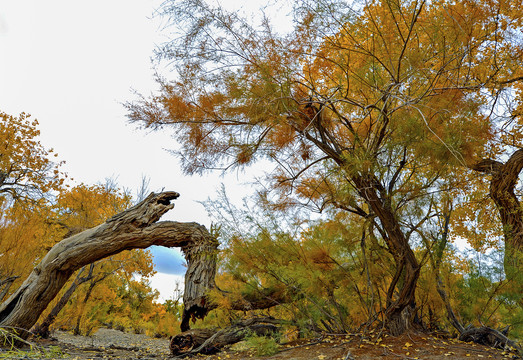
<point>71,64</point>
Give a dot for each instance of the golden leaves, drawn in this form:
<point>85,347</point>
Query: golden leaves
<point>84,206</point>
<point>27,178</point>
<point>26,171</point>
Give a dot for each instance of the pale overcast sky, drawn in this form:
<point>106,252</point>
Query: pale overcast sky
<point>71,64</point>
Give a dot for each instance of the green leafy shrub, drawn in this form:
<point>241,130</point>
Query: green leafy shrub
<point>264,345</point>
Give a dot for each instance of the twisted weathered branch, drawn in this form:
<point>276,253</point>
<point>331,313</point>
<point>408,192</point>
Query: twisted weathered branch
<point>136,227</point>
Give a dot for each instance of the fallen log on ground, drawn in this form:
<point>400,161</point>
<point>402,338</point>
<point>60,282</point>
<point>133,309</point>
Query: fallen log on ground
<point>489,337</point>
<point>136,227</point>
<point>210,341</point>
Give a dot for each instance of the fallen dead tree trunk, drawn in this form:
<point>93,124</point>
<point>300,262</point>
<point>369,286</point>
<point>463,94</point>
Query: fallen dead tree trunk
<point>42,329</point>
<point>209,341</point>
<point>136,227</point>
<point>489,337</point>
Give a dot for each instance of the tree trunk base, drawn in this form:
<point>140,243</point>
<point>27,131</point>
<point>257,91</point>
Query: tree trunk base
<point>399,322</point>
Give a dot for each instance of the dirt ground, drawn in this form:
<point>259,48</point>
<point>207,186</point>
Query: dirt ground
<point>347,347</point>
<point>113,344</point>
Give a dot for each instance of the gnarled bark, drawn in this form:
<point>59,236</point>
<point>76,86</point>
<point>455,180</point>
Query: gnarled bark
<point>199,278</point>
<point>400,310</point>
<point>208,341</point>
<point>488,336</point>
<point>42,329</point>
<point>136,227</point>
<point>502,185</point>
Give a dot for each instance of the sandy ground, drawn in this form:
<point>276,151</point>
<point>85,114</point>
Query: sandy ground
<point>113,344</point>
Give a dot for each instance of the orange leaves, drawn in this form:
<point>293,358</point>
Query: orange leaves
<point>83,206</point>
<point>178,107</point>
<point>244,155</point>
<point>26,171</point>
<point>281,135</point>
<point>477,221</point>
<point>376,111</point>
<point>391,74</point>
<point>321,258</point>
<point>412,59</point>
<point>314,188</point>
<point>27,179</point>
<point>25,236</point>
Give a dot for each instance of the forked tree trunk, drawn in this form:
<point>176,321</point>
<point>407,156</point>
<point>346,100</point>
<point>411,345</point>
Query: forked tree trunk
<point>400,308</point>
<point>136,227</point>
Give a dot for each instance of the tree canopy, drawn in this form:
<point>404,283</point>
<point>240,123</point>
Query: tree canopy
<point>381,109</point>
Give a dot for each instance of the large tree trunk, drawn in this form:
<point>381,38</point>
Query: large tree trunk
<point>42,329</point>
<point>400,310</point>
<point>502,185</point>
<point>136,227</point>
<point>201,270</point>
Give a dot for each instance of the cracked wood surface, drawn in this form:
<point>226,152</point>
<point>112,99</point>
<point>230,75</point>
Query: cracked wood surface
<point>136,227</point>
